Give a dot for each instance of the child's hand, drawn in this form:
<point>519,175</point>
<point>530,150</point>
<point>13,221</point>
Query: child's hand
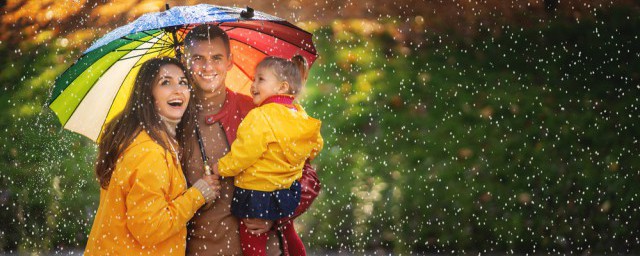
<point>215,169</point>
<point>257,226</point>
<point>214,183</point>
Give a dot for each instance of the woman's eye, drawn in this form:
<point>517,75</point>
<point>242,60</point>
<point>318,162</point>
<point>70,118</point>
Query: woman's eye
<point>183,82</point>
<point>164,82</point>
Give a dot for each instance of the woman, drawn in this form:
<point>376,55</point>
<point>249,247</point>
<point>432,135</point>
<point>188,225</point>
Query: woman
<point>144,201</point>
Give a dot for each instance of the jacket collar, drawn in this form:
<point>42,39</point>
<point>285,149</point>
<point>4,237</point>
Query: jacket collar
<point>228,100</point>
<point>284,99</point>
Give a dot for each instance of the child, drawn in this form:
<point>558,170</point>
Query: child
<point>274,140</point>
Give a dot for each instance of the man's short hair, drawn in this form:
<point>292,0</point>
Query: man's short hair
<point>207,32</point>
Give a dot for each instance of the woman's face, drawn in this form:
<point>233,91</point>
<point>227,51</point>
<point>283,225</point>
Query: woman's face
<point>171,92</point>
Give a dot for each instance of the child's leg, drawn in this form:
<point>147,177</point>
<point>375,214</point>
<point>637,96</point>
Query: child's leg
<point>294,243</point>
<point>252,244</point>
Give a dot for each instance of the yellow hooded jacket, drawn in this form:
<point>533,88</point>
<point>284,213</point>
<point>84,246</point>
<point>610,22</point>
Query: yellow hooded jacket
<point>147,205</point>
<point>273,142</point>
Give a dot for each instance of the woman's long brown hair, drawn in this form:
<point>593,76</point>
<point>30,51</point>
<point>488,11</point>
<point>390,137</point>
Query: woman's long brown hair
<point>186,130</point>
<point>138,114</point>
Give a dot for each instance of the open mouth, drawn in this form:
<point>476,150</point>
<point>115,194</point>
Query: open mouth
<point>175,103</point>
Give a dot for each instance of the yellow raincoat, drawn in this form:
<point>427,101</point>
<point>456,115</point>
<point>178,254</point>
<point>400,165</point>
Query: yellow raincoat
<point>273,142</point>
<point>147,205</point>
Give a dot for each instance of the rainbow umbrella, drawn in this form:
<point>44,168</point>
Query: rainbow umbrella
<point>97,86</point>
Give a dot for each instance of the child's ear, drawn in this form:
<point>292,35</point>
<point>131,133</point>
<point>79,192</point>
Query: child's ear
<point>284,88</point>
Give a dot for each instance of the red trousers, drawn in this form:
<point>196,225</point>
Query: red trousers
<point>257,244</point>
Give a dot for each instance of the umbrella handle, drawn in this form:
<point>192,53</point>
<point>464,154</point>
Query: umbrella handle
<point>207,169</point>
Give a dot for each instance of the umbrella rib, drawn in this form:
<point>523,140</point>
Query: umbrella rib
<point>167,50</point>
<point>159,36</point>
<point>139,49</point>
<point>264,33</point>
<point>150,52</point>
<point>283,23</point>
<point>302,48</point>
<point>133,40</point>
<point>86,59</point>
<point>134,66</point>
<point>230,28</point>
<point>138,63</point>
<point>85,95</point>
<point>261,51</point>
<point>160,53</point>
<point>288,24</point>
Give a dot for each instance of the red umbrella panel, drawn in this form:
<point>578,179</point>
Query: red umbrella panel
<point>252,41</point>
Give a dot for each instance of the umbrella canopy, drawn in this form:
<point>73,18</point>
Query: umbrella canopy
<point>97,86</point>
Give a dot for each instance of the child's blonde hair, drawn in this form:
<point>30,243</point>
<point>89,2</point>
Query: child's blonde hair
<point>293,71</point>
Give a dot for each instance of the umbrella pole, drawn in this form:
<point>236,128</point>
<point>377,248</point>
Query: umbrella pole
<point>172,30</point>
<point>177,45</point>
<point>207,168</point>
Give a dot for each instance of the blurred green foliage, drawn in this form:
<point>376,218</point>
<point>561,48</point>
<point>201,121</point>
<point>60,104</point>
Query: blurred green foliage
<point>47,188</point>
<point>519,139</point>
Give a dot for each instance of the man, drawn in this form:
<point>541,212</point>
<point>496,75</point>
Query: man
<point>213,230</point>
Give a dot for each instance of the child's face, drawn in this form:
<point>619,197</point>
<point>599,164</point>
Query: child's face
<point>171,92</point>
<point>265,85</point>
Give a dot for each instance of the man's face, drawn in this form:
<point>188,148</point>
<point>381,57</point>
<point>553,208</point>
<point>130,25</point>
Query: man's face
<point>208,63</point>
